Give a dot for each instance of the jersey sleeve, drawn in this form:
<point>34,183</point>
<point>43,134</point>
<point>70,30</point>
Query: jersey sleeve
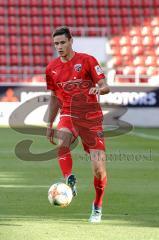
<point>49,79</point>
<point>95,70</point>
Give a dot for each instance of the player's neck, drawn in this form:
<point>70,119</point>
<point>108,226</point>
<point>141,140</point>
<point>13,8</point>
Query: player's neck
<point>68,57</point>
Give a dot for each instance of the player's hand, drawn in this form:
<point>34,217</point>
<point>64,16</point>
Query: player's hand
<point>94,90</point>
<point>50,135</point>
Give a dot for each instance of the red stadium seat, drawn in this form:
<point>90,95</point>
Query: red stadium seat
<point>23,11</point>
<point>69,21</point>
<point>46,20</point>
<point>45,3</point>
<point>35,20</point>
<point>25,20</point>
<point>2,40</point>
<point>13,20</point>
<point>78,3</point>
<point>46,11</point>
<point>57,21</point>
<point>14,50</point>
<point>101,3</point>
<point>90,3</point>
<point>115,20</point>
<point>34,3</point>
<point>38,60</point>
<point>24,3</point>
<point>125,21</point>
<point>36,50</point>
<point>14,60</point>
<point>56,11</point>
<point>47,40</point>
<point>2,20</point>
<point>35,11</point>
<point>35,30</point>
<point>136,3</point>
<point>12,30</point>
<point>48,58</point>
<point>3,60</point>
<point>79,11</point>
<point>2,11</point>
<point>102,12</point>
<point>91,21</point>
<point>48,50</point>
<point>92,32</point>
<point>147,3</point>
<point>136,11</point>
<point>113,11</point>
<point>24,40</point>
<point>47,30</point>
<point>13,40</point>
<point>103,21</point>
<point>113,3</point>
<point>12,10</point>
<point>26,60</point>
<point>35,40</point>
<point>91,11</point>
<point>2,30</point>
<point>25,50</point>
<point>24,30</point>
<point>3,49</point>
<point>80,21</point>
<point>68,11</point>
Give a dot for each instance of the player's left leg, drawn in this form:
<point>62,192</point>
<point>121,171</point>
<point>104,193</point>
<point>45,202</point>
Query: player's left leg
<point>98,158</point>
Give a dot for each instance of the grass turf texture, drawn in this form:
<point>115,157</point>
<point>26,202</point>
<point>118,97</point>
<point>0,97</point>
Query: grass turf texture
<point>130,208</point>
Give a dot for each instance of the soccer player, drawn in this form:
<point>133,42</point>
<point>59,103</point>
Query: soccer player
<point>76,80</point>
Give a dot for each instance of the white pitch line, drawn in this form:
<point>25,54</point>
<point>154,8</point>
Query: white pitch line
<point>143,135</point>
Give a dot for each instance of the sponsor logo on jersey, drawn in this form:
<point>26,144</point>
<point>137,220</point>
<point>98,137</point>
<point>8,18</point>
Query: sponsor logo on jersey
<point>98,70</point>
<point>78,67</point>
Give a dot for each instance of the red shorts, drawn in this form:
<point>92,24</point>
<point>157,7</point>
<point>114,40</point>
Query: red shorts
<point>91,133</point>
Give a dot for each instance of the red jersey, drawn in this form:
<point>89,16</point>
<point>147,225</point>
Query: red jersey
<point>71,82</point>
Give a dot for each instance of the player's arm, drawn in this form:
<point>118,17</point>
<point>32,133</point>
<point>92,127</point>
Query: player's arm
<point>101,89</point>
<point>53,108</point>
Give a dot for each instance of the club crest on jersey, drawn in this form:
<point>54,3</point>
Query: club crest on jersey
<point>98,70</point>
<point>78,67</point>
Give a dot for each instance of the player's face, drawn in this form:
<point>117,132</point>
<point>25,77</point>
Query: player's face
<point>63,45</point>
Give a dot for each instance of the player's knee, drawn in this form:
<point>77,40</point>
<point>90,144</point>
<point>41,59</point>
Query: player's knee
<point>100,173</point>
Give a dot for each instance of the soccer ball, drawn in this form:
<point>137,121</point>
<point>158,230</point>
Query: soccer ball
<point>60,194</point>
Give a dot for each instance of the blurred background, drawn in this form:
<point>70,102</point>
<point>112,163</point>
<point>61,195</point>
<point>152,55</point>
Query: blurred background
<point>123,35</point>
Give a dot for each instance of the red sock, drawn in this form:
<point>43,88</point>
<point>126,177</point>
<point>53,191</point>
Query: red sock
<point>99,185</point>
<point>65,161</point>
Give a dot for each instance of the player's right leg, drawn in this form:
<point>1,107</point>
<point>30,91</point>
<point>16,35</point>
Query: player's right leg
<point>66,136</point>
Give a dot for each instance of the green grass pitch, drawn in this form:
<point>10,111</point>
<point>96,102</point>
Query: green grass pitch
<point>131,203</point>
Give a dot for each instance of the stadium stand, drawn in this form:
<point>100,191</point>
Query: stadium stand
<point>131,26</point>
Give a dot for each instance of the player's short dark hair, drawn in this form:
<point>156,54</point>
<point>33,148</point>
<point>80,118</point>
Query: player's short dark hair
<point>62,30</point>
